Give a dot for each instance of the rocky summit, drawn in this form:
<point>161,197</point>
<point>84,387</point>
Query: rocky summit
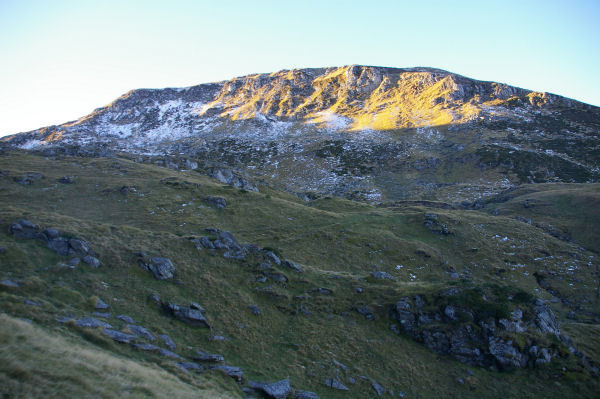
<point>368,133</point>
<point>350,232</point>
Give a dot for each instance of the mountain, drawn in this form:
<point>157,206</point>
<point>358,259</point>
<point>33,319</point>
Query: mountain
<point>369,133</point>
<point>335,233</point>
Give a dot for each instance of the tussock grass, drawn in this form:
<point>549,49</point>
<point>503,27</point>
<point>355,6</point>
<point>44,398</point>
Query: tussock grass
<point>37,363</point>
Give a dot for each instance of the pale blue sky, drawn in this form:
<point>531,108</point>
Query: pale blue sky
<point>61,59</point>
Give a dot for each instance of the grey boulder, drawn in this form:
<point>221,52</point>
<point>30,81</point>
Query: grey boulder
<point>276,390</point>
<point>161,268</point>
<point>91,261</point>
<point>192,317</point>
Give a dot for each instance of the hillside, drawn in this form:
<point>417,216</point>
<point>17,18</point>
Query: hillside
<point>333,232</point>
<point>327,317</point>
<point>368,133</point>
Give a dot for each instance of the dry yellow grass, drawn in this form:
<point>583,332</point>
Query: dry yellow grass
<point>35,363</point>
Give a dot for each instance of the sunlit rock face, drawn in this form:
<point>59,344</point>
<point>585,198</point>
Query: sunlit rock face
<point>370,133</point>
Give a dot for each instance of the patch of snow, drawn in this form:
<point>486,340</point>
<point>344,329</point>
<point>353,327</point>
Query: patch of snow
<point>32,144</point>
<point>331,120</point>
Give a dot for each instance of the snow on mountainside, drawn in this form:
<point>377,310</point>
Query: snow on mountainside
<point>370,133</point>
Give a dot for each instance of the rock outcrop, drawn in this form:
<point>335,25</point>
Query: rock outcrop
<point>478,332</point>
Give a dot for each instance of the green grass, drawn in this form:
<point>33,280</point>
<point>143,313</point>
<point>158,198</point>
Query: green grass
<point>338,242</point>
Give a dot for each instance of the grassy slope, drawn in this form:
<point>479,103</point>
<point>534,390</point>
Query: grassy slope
<point>338,241</point>
<point>38,363</point>
<point>570,208</point>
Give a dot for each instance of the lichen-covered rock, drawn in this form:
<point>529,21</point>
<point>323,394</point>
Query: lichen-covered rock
<point>477,333</point>
<point>91,261</point>
<point>90,322</point>
<point>217,202</point>
<point>545,320</point>
<point>119,336</point>
<point>506,354</point>
<point>192,317</point>
<point>232,371</point>
<point>161,268</point>
<point>275,390</point>
<point>208,357</point>
<point>167,341</point>
<point>336,384</point>
<point>141,332</point>
<point>23,228</point>
<point>293,265</point>
<point>305,395</point>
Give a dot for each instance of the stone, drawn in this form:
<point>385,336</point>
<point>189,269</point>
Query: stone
<point>197,243</point>
<point>126,319</point>
<point>208,357</point>
<point>402,305</point>
<point>92,261</point>
<point>293,265</point>
<point>207,243</point>
<point>101,305</point>
<point>450,312</point>
<point>217,202</point>
<point>197,306</point>
<point>192,317</point>
<point>140,332</point>
<point>31,303</point>
<point>336,384</point>
<point>90,322</point>
<point>506,354</point>
<point>168,353</point>
<point>104,315</point>
<point>126,190</point>
<point>23,180</point>
<point>25,229</point>
<point>154,297</point>
<point>146,347</point>
<point>66,180</point>
<point>167,341</point>
<point>305,395</point>
<point>255,310</point>
<point>226,176</point>
<point>279,277</point>
<point>51,233</point>
<point>2,250</point>
<point>79,246</point>
<point>276,390</point>
<point>190,366</point>
<point>270,255</point>
<point>377,387</point>
<point>365,311</point>
<point>60,245</point>
<point>432,223</point>
<point>340,365</point>
<point>382,275</point>
<point>119,336</point>
<point>9,283</point>
<point>229,240</point>
<point>545,320</point>
<point>74,262</point>
<point>543,357</point>
<point>232,371</point>
<point>161,268</point>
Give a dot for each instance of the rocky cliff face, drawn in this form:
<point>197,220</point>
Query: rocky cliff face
<point>369,133</point>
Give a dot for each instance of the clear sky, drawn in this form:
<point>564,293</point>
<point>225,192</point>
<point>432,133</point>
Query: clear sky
<point>59,60</point>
